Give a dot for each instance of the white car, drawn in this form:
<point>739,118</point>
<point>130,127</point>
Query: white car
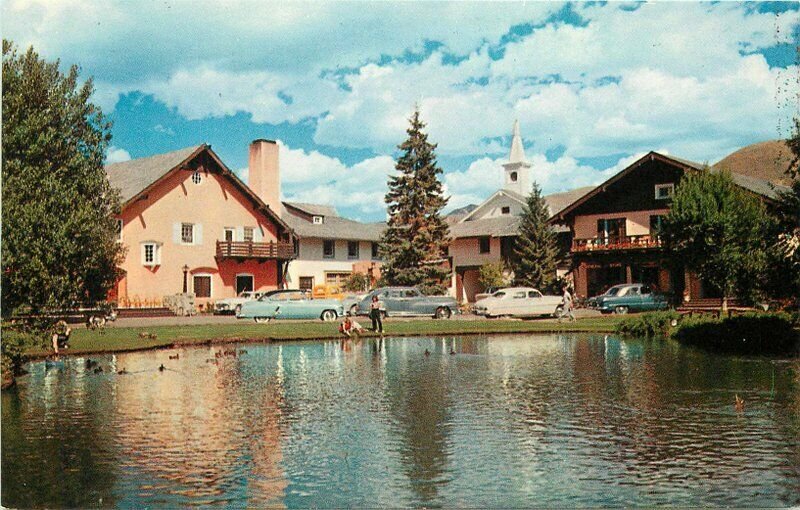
<point>518,302</point>
<point>233,305</point>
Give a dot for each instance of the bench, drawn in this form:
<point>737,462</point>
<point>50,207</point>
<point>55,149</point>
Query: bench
<point>712,306</point>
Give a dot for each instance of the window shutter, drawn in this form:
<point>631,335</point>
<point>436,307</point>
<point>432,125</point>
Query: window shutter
<point>258,236</point>
<point>198,233</point>
<point>239,233</point>
<point>176,233</point>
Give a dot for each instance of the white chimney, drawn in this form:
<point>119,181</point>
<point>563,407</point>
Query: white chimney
<point>264,173</point>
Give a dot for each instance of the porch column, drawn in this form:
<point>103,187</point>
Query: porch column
<point>459,286</point>
<point>580,275</point>
<point>628,274</point>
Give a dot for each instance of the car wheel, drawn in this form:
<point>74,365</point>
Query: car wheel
<point>443,312</point>
<point>354,310</point>
<point>328,316</point>
<point>238,310</point>
<point>261,320</point>
<point>559,311</point>
<point>621,310</point>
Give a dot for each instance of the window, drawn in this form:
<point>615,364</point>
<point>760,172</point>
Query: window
<point>655,224</point>
<point>197,177</point>
<point>296,246</point>
<point>352,249</point>
<point>505,210</point>
<point>513,176</point>
<point>201,283</point>
<point>306,282</point>
<point>119,229</point>
<point>336,279</point>
<point>645,290</point>
<point>519,295</point>
<point>483,245</point>
<point>611,229</point>
<point>244,283</point>
<point>230,234</point>
<point>318,220</point>
<point>375,251</point>
<point>151,254</point>
<point>534,294</point>
<point>664,191</point>
<point>248,234</point>
<point>328,249</point>
<point>187,233</point>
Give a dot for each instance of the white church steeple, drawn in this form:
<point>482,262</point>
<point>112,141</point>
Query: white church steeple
<point>517,170</point>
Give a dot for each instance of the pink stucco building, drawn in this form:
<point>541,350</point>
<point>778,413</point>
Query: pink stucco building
<point>190,225</point>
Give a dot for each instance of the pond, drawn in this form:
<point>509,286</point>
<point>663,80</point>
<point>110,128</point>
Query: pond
<point>511,421</point>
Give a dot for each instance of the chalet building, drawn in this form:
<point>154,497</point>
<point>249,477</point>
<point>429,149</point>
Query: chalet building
<point>614,228</point>
<point>487,233</point>
<point>190,225</point>
<point>330,248</point>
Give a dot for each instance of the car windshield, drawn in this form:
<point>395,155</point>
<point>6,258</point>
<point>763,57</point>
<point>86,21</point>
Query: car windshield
<point>615,291</point>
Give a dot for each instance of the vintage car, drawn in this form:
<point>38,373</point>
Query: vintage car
<point>407,301</point>
<point>290,304</point>
<point>233,305</point>
<point>517,302</point>
<point>350,303</point>
<point>629,297</point>
<point>488,292</point>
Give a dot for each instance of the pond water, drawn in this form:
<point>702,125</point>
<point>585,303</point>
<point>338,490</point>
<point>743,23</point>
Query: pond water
<point>511,421</point>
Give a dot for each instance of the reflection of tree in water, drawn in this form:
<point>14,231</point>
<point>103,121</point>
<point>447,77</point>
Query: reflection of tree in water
<point>55,452</point>
<point>419,397</point>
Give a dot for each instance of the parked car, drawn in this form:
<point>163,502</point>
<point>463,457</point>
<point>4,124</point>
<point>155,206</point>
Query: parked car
<point>233,305</point>
<point>407,301</point>
<point>488,292</point>
<point>350,303</point>
<point>290,304</point>
<point>629,297</point>
<point>518,302</point>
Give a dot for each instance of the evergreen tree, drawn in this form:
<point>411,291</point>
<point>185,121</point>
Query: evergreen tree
<point>414,244</point>
<point>59,245</point>
<point>535,251</point>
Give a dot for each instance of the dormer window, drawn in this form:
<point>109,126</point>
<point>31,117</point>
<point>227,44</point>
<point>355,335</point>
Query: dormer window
<point>664,191</point>
<point>513,176</point>
<point>318,220</point>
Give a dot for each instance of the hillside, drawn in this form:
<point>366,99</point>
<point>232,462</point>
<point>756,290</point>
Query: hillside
<point>765,160</point>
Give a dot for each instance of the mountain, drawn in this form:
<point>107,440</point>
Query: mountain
<point>764,160</point>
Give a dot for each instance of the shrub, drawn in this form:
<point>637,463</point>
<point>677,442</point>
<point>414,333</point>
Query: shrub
<point>492,274</point>
<point>357,282</point>
<point>765,334</point>
<point>648,325</point>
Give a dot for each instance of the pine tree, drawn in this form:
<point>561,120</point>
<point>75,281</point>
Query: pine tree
<point>535,252</point>
<point>414,244</point>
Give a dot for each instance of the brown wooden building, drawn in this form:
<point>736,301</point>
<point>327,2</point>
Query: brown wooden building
<point>614,228</point>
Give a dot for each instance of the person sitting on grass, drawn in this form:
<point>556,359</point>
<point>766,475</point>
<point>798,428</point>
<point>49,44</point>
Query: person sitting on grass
<point>350,327</point>
<point>61,335</point>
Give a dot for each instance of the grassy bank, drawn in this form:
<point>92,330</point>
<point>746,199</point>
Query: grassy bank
<point>128,339</point>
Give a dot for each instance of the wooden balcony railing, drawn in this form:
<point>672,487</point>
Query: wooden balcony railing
<point>251,250</point>
<point>616,243</point>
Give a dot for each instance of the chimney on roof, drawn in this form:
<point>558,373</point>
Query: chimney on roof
<point>264,173</point>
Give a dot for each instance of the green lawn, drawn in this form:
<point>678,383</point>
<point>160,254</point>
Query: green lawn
<point>122,339</point>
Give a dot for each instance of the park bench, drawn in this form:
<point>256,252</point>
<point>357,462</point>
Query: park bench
<point>712,306</point>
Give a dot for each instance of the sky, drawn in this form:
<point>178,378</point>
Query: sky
<point>594,85</point>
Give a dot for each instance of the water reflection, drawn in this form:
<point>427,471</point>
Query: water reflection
<point>501,421</point>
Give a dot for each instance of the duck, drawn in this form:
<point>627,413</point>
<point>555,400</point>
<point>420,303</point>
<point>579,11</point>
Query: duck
<point>452,352</point>
<point>739,404</point>
<point>427,352</point>
<point>177,356</point>
<point>123,371</point>
<point>98,370</point>
<point>162,368</point>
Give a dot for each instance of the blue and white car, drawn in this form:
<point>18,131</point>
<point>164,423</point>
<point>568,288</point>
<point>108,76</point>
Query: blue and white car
<point>409,301</point>
<point>290,304</point>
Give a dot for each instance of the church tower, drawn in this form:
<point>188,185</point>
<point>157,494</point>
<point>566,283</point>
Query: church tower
<point>517,170</point>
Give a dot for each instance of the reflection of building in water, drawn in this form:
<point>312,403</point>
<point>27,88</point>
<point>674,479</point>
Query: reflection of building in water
<point>195,426</point>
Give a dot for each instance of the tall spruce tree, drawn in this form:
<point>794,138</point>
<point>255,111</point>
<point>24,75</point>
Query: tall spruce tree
<point>414,244</point>
<point>535,253</point>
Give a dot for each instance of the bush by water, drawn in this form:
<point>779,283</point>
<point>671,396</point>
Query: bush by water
<point>766,334</point>
<point>648,325</point>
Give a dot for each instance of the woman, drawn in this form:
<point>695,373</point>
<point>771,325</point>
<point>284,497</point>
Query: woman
<point>375,308</point>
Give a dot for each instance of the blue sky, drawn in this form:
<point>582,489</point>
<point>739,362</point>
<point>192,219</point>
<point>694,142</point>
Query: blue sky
<point>594,85</point>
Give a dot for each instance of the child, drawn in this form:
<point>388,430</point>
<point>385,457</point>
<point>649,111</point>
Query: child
<point>61,335</point>
<point>350,327</point>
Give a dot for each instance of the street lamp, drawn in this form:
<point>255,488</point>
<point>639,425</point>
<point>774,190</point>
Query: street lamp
<point>185,282</point>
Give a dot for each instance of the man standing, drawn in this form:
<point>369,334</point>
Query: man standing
<point>567,306</point>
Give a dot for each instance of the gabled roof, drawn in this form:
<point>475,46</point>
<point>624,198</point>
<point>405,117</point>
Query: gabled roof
<point>313,209</point>
<point>510,194</point>
<point>759,186</point>
<point>133,176</point>
<point>136,177</point>
<point>333,227</point>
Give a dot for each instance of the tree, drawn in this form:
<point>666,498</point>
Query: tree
<point>357,282</point>
<point>59,245</point>
<point>716,230</point>
<point>414,244</point>
<point>535,250</point>
<point>492,275</point>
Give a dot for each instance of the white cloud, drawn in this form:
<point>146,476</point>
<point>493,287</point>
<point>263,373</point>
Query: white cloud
<point>116,155</point>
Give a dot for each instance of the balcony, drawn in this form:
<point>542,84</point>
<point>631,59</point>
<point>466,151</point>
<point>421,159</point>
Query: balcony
<point>639,242</point>
<point>250,250</point>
